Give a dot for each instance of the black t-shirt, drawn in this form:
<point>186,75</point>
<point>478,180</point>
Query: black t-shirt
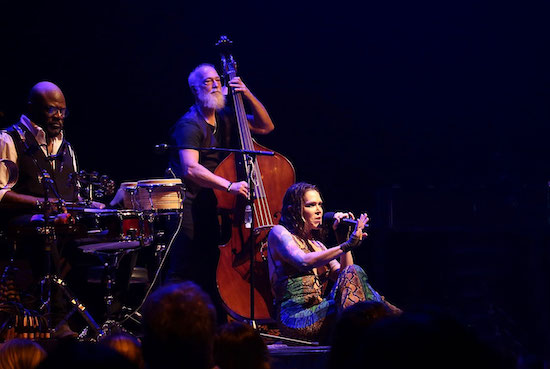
<point>191,130</point>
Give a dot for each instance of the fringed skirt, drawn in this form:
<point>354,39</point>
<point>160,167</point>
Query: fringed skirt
<point>299,319</point>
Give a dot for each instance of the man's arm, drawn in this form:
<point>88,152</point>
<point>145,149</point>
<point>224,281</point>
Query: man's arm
<point>260,122</point>
<point>201,176</point>
<point>9,198</point>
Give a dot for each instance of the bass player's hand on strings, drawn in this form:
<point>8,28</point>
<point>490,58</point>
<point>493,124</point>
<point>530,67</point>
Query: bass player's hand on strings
<point>238,188</point>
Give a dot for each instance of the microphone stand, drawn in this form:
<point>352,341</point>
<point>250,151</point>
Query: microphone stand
<point>249,157</point>
<point>163,147</point>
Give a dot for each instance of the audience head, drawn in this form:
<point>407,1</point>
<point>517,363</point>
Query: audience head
<point>179,322</point>
<point>21,354</point>
<point>239,346</point>
<point>85,355</point>
<point>420,339</point>
<point>351,325</point>
<point>127,345</point>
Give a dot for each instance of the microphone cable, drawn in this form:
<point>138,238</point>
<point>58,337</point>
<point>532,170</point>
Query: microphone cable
<point>157,274</point>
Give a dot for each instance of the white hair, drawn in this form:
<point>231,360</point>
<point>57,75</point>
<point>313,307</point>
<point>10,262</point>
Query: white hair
<point>194,76</point>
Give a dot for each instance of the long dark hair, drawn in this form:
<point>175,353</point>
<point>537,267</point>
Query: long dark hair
<point>291,214</point>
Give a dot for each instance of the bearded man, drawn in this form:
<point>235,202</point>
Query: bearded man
<point>208,123</point>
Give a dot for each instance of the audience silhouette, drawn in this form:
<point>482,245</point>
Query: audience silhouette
<point>239,346</point>
<point>179,322</point>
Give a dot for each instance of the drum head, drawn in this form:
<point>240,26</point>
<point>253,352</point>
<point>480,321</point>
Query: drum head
<point>160,182</point>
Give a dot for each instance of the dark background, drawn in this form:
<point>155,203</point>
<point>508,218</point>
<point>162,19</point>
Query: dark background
<point>432,116</point>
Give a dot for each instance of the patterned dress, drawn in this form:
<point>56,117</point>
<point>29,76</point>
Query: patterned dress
<point>302,309</point>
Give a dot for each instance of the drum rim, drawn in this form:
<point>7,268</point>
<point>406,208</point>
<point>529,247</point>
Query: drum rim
<point>159,184</point>
<point>160,180</point>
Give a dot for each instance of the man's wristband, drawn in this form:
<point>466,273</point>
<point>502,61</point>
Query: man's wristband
<point>229,187</point>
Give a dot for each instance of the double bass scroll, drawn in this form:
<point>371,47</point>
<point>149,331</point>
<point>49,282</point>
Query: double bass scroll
<point>245,290</point>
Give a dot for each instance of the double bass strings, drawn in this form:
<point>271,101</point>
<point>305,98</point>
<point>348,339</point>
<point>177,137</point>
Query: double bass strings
<point>261,206</point>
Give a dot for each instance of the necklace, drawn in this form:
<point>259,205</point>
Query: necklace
<point>206,120</point>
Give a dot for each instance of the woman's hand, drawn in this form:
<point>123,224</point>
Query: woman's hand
<point>338,216</point>
<point>360,226</point>
<point>356,235</point>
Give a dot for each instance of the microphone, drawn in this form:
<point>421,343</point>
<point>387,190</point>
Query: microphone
<point>328,219</point>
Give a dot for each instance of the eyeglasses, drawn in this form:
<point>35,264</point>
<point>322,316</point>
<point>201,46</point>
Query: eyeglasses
<point>52,110</point>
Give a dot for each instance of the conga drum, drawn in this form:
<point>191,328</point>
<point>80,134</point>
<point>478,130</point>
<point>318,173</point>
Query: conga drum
<point>163,195</point>
<point>128,197</point>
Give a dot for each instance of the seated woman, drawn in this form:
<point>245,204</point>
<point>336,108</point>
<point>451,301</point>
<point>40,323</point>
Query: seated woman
<point>299,264</point>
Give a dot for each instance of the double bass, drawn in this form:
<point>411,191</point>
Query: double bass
<point>242,273</point>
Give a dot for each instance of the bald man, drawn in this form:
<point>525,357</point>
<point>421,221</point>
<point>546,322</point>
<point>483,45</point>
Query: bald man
<point>38,136</point>
<point>37,143</point>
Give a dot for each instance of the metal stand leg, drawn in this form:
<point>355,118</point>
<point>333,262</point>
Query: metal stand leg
<point>111,264</point>
<point>77,305</point>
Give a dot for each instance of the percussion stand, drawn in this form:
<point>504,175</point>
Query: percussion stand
<point>111,264</point>
<point>48,231</point>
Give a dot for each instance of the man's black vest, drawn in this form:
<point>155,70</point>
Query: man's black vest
<point>29,173</point>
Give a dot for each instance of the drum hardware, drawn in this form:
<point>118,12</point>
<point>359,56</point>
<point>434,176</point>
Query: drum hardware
<point>111,254</point>
<point>112,234</point>
<point>111,226</point>
<point>77,305</point>
<point>49,232</point>
<point>129,196</point>
<point>91,185</point>
<point>161,254</point>
<point>119,233</point>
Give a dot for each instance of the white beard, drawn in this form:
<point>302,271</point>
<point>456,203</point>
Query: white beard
<point>214,100</point>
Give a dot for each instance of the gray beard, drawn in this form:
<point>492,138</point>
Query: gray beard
<point>213,101</point>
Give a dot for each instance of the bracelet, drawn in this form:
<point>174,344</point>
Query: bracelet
<point>39,204</point>
<point>229,187</point>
